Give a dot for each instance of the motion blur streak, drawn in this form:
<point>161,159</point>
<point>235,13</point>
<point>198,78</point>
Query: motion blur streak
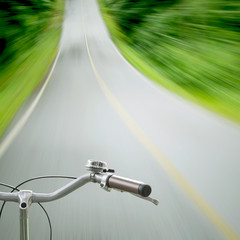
<point>74,121</point>
<point>20,124</point>
<point>220,224</point>
<point>191,47</point>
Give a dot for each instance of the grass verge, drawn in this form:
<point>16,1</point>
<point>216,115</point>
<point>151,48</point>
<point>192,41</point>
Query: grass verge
<point>20,77</point>
<point>196,75</point>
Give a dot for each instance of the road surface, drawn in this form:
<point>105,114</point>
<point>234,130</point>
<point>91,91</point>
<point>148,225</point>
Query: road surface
<point>96,106</point>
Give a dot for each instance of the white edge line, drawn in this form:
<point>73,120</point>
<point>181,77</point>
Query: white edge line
<point>174,95</point>
<point>146,79</point>
<point>20,124</point>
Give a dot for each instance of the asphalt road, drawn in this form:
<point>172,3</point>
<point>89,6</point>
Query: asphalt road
<point>96,106</point>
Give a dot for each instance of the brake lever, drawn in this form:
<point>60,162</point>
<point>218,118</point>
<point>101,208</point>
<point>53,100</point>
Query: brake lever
<point>152,200</point>
<point>149,199</point>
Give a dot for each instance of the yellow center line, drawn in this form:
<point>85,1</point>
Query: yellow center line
<point>154,151</point>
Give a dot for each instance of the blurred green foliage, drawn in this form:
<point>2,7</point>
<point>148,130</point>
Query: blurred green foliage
<point>21,22</point>
<point>131,13</point>
<point>29,35</point>
<point>195,45</point>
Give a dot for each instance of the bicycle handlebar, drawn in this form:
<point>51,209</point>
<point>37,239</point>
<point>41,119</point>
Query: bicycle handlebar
<point>63,191</point>
<point>106,181</point>
<point>99,174</point>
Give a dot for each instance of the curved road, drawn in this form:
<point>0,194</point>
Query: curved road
<point>97,106</point>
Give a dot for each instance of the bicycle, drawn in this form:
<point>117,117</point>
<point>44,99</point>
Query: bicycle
<point>99,173</point>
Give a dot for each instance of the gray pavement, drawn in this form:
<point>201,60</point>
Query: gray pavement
<point>74,122</point>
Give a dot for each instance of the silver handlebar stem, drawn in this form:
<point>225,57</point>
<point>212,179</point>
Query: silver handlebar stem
<point>25,198</point>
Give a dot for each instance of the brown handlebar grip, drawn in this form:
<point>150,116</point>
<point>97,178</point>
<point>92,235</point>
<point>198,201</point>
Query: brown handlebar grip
<point>129,185</point>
